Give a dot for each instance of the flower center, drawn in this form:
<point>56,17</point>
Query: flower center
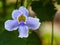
<point>22,18</point>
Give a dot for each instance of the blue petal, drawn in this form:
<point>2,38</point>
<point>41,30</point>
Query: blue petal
<point>11,25</point>
<point>33,23</point>
<point>23,31</point>
<point>15,14</point>
<point>24,11</point>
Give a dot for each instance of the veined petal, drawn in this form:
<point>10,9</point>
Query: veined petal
<point>33,23</point>
<point>11,25</point>
<point>24,11</point>
<point>23,31</point>
<point>15,14</point>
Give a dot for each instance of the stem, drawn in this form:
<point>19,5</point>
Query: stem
<point>4,7</point>
<point>22,2</point>
<point>16,4</point>
<point>25,3</point>
<point>52,32</point>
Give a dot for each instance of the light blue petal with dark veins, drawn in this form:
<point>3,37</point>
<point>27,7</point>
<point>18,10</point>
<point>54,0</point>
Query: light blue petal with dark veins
<point>24,11</point>
<point>11,25</point>
<point>23,31</point>
<point>33,23</point>
<point>15,14</point>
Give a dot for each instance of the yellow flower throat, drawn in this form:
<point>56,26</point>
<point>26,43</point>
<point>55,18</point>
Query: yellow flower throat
<point>21,18</point>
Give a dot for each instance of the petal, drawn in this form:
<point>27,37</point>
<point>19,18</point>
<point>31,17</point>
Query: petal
<point>33,23</point>
<point>15,14</point>
<point>11,25</point>
<point>24,11</point>
<point>23,31</point>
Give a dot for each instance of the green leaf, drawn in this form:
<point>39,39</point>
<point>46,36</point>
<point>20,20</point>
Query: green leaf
<point>58,1</point>
<point>33,39</point>
<point>44,12</point>
<point>11,38</point>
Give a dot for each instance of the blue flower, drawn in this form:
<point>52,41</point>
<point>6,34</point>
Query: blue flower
<point>22,21</point>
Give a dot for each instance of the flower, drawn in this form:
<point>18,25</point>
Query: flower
<point>22,21</point>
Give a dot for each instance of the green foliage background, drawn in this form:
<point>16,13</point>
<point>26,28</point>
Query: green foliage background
<point>44,11</point>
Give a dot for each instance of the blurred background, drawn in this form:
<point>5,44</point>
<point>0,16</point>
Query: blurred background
<point>48,11</point>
